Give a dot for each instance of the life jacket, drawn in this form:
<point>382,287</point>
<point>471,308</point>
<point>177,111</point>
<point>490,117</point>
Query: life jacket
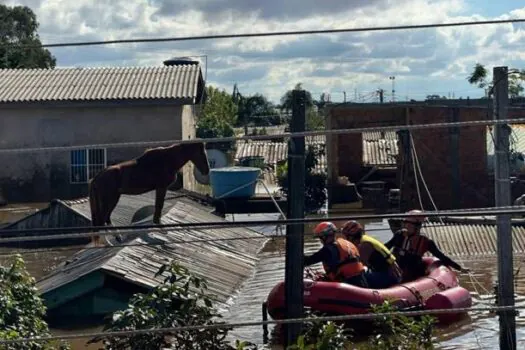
<point>381,259</point>
<point>410,253</point>
<point>349,265</point>
<point>414,245</point>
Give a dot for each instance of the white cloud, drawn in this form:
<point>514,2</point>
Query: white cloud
<point>424,61</point>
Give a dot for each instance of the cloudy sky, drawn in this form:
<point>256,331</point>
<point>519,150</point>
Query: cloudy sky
<point>423,61</point>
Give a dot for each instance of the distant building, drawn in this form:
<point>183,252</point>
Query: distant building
<point>83,106</point>
<point>454,161</point>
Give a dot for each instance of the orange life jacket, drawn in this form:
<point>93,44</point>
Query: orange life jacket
<point>414,245</point>
<point>349,265</point>
<point>410,255</point>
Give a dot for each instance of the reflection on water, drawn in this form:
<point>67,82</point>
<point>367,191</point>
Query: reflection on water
<point>477,331</point>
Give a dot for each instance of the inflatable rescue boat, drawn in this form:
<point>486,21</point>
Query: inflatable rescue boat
<point>438,289</point>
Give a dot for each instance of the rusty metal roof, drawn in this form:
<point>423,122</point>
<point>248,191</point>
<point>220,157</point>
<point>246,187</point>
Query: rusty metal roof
<point>224,264</point>
<point>180,83</point>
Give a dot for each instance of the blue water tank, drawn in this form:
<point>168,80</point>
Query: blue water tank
<point>231,179</point>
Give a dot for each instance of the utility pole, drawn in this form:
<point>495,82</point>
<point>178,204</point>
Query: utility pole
<point>293,280</point>
<point>507,321</point>
<point>380,95</point>
<point>393,78</point>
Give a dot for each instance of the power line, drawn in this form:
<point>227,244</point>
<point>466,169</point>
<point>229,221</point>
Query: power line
<point>269,137</point>
<point>368,316</point>
<point>163,243</point>
<point>87,231</point>
<point>266,34</point>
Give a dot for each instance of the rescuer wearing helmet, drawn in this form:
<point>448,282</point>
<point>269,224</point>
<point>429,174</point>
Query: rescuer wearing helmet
<point>383,270</point>
<point>409,246</point>
<point>339,256</point>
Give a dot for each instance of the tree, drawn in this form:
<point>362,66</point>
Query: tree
<point>479,77</point>
<point>18,26</point>
<point>314,120</point>
<point>315,183</point>
<point>286,99</point>
<point>21,309</point>
<point>256,110</point>
<point>314,115</point>
<point>217,118</point>
<point>181,300</point>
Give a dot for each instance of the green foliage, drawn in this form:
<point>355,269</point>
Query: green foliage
<point>401,332</point>
<point>286,99</point>
<point>314,120</point>
<point>256,110</point>
<point>480,77</point>
<point>180,301</point>
<point>392,333</point>
<point>18,26</point>
<point>21,309</point>
<point>217,118</point>
<point>315,183</point>
<point>322,336</point>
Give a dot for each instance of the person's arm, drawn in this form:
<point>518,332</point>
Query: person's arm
<point>317,257</point>
<point>365,250</point>
<point>392,242</point>
<point>432,248</point>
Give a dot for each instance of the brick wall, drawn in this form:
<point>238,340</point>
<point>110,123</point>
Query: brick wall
<point>349,147</point>
<point>453,160</point>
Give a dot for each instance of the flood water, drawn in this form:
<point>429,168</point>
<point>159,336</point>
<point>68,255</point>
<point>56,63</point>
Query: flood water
<point>477,331</point>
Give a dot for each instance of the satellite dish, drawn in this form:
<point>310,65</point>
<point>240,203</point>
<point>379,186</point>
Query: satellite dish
<point>216,159</point>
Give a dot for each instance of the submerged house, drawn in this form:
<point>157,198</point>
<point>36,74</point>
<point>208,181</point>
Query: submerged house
<point>96,282</point>
<point>63,214</point>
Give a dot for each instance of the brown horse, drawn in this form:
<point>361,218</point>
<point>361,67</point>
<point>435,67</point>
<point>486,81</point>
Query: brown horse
<point>156,169</point>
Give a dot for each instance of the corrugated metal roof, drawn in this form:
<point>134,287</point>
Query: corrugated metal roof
<point>270,271</point>
<point>126,207</point>
<point>380,152</point>
<point>476,239</point>
<point>379,135</point>
<point>274,152</point>
<point>87,84</point>
<point>224,264</point>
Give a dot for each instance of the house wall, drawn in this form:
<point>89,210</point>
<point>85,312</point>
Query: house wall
<point>42,176</point>
<point>453,160</point>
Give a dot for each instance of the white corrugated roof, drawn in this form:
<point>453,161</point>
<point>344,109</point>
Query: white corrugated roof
<point>180,82</point>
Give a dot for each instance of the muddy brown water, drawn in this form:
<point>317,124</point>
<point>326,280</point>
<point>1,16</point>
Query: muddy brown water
<point>477,331</point>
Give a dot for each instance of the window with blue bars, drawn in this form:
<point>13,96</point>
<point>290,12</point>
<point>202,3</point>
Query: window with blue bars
<point>86,163</point>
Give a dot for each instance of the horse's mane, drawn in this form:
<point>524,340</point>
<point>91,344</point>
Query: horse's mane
<point>151,157</point>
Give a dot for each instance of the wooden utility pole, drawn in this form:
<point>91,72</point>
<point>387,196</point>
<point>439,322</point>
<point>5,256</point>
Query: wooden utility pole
<point>293,280</point>
<point>507,321</point>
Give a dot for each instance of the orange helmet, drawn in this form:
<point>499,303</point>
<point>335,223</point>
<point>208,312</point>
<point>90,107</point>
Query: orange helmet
<point>415,219</point>
<point>324,229</point>
<point>351,228</point>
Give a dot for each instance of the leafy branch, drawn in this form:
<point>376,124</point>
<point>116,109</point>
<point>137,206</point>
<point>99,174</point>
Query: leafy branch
<point>480,77</point>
